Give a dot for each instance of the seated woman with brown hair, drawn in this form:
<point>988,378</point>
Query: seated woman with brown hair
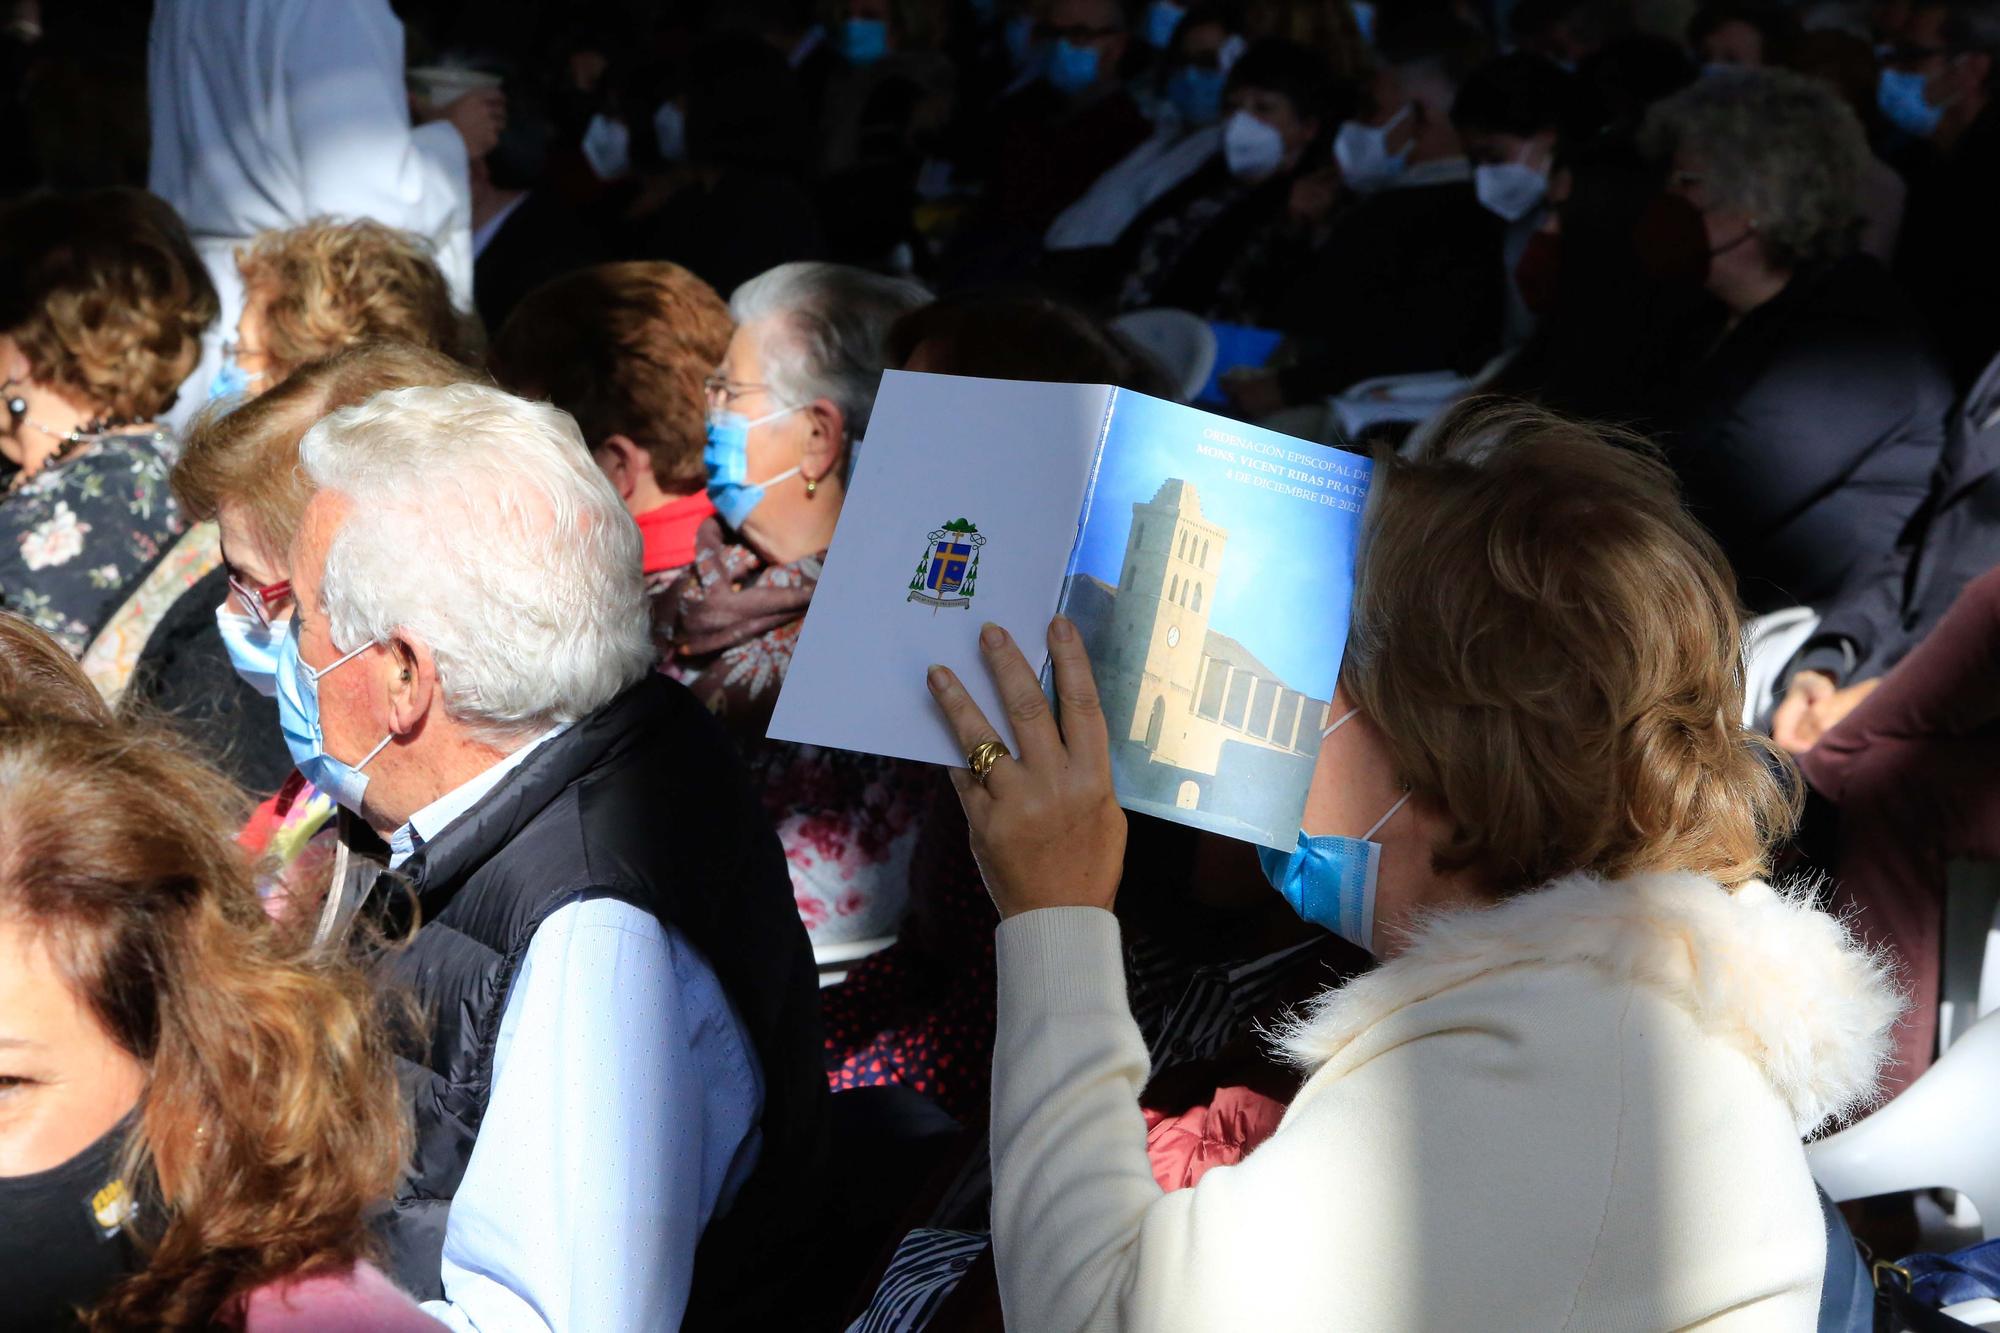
<point>102,305</point>
<point>195,1117</point>
<point>240,470</point>
<point>309,292</point>
<point>1573,1092</point>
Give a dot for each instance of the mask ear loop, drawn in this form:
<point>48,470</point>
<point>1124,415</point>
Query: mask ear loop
<point>1370,834</point>
<point>1403,801</point>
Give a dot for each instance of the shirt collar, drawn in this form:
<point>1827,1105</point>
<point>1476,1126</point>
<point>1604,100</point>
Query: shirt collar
<point>434,818</point>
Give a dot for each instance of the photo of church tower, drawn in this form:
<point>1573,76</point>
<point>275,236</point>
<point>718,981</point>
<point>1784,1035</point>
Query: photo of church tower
<point>1198,724</point>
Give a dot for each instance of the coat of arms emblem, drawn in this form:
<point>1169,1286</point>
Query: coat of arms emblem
<point>949,569</point>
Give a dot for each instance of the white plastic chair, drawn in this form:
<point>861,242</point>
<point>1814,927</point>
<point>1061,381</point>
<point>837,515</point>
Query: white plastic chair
<point>1940,1133</point>
<point>1179,340</point>
<point>1969,988</point>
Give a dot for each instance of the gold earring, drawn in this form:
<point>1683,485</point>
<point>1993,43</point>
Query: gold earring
<point>811,487</point>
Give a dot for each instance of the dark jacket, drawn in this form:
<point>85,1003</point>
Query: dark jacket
<point>1807,437</point>
<point>541,239</point>
<point>1945,254</point>
<point>1951,540</point>
<point>184,673</point>
<point>643,801</point>
<point>1408,279</point>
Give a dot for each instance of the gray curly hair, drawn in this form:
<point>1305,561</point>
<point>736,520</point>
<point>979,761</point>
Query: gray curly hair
<point>1779,146</point>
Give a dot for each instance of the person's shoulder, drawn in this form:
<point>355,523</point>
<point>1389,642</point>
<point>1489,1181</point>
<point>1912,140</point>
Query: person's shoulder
<point>356,1298</point>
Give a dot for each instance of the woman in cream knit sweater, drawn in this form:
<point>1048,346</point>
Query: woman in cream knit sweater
<point>1573,1094</point>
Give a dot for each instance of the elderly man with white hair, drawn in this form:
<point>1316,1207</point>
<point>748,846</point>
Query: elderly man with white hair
<point>618,1103</point>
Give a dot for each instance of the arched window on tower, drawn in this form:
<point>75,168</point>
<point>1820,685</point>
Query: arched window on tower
<point>1173,587</point>
<point>1197,597</point>
<point>1204,554</point>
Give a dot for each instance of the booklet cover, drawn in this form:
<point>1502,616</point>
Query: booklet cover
<point>1208,565</point>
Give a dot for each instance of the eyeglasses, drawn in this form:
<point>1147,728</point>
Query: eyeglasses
<point>259,602</point>
<point>721,390</point>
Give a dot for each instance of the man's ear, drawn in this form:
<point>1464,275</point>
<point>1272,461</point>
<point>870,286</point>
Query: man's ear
<point>412,684</point>
<point>826,447</point>
<point>620,460</point>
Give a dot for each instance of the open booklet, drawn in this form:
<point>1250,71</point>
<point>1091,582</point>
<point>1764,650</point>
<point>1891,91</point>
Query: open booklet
<point>1208,565</point>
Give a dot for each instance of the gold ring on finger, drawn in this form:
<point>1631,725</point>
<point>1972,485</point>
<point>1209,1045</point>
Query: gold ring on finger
<point>983,756</point>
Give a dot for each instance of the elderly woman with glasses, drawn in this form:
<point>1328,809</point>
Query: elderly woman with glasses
<point>240,470</point>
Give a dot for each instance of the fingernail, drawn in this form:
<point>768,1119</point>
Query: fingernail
<point>992,636</point>
<point>1062,629</point>
<point>938,678</point>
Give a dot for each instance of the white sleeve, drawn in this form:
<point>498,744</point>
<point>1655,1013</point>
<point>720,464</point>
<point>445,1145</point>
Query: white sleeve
<point>585,1194</point>
<point>350,120</point>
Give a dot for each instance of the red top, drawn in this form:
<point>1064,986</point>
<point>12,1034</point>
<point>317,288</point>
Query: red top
<point>668,531</point>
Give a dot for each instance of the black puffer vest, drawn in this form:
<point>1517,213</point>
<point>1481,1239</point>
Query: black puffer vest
<point>644,801</point>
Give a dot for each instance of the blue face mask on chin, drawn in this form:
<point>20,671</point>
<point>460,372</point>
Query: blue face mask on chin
<point>230,381</point>
<point>1197,94</point>
<point>298,718</point>
<point>1900,94</point>
<point>1331,881</point>
<point>727,461</point>
<point>864,41</point>
<point>253,648</point>
<point>1019,36</point>
<point>1162,18</point>
<point>1072,68</point>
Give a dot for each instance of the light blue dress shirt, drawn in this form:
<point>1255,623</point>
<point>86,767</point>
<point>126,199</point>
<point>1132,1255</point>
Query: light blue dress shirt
<point>623,1116</point>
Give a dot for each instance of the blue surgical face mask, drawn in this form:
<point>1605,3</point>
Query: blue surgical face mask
<point>1072,68</point>
<point>1330,881</point>
<point>231,381</point>
<point>298,718</point>
<point>1364,19</point>
<point>1900,94</point>
<point>1196,94</point>
<point>1019,34</point>
<point>1162,17</point>
<point>864,41</point>
<point>253,648</point>
<point>727,460</point>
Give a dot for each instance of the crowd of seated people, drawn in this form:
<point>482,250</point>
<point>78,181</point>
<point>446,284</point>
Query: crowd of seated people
<point>417,478</point>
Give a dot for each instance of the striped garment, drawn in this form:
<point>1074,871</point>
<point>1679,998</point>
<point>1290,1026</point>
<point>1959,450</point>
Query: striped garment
<point>1186,1013</point>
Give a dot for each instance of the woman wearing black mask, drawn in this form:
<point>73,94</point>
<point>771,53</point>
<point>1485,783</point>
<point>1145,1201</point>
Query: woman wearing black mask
<point>1807,434</point>
<point>194,1118</point>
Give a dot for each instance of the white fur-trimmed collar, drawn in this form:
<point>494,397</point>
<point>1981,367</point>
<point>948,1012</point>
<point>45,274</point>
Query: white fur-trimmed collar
<point>1761,969</point>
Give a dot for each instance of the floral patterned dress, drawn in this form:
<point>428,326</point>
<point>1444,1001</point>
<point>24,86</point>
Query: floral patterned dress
<point>82,533</point>
<point>874,845</point>
<point>848,822</point>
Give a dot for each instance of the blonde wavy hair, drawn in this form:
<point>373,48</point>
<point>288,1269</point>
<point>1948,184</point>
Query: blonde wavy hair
<point>249,454</point>
<point>271,1123</point>
<point>1551,645</point>
<point>327,285</point>
<point>104,294</point>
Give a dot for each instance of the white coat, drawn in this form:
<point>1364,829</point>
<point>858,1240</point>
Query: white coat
<point>1581,1109</point>
<point>268,113</point>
